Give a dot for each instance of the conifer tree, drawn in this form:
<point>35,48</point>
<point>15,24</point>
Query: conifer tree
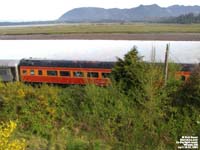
<point>129,74</point>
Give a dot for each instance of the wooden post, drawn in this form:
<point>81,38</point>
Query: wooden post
<point>153,55</point>
<point>166,65</point>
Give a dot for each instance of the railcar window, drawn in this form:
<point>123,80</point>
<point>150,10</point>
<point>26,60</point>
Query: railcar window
<point>40,72</point>
<point>105,75</point>
<point>24,72</point>
<point>32,72</point>
<point>78,74</point>
<point>65,73</point>
<point>93,74</point>
<point>52,73</point>
<point>183,78</point>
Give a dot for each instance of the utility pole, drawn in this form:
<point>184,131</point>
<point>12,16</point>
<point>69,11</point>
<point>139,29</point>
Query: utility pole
<point>153,54</point>
<point>166,65</point>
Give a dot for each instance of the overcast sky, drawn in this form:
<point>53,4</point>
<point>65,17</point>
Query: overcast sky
<point>99,50</point>
<point>29,10</point>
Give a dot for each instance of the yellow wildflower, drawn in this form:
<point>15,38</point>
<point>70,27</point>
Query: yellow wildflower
<point>6,130</point>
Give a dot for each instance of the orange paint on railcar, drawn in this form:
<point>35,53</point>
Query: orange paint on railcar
<point>183,75</point>
<point>36,74</point>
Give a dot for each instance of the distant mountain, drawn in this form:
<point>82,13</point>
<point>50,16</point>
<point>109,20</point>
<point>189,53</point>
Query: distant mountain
<point>140,13</point>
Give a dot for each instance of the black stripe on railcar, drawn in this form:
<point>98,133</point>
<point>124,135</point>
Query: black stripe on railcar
<point>67,63</point>
<point>187,67</point>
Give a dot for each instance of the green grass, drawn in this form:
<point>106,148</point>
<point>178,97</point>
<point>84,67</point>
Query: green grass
<point>102,28</point>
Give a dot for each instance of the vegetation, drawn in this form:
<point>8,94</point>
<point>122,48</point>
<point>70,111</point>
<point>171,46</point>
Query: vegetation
<point>184,19</point>
<point>135,112</point>
<point>101,28</point>
<point>6,130</point>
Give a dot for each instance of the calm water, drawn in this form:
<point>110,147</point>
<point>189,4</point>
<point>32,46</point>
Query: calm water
<point>102,50</point>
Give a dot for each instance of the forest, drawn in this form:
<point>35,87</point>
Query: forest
<point>137,111</point>
<point>184,19</point>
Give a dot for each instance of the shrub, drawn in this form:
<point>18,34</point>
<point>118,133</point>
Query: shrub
<point>190,92</point>
<point>6,129</point>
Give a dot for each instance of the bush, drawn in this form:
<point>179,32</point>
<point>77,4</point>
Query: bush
<point>190,92</point>
<point>135,112</point>
<point>6,129</point>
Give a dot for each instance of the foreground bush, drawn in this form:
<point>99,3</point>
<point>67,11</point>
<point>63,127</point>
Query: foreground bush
<point>93,117</point>
<point>6,129</point>
<point>135,112</point>
<point>190,92</point>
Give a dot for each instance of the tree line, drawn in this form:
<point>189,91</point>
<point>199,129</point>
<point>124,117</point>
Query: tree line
<point>184,19</point>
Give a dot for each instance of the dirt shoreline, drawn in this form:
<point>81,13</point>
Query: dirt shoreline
<point>108,36</point>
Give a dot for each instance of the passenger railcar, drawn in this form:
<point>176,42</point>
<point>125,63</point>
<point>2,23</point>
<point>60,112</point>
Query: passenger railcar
<point>185,72</point>
<point>65,72</point>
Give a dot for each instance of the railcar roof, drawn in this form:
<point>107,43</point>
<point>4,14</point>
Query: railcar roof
<point>188,67</point>
<point>66,63</point>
